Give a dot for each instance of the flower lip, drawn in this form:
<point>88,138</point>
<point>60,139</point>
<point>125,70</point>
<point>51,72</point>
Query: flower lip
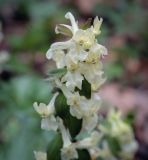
<point>41,109</point>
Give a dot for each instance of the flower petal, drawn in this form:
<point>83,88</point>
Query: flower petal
<point>97,25</point>
<point>49,123</point>
<point>73,22</point>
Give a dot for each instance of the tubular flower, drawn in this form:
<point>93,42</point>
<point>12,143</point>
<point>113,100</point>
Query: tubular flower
<point>74,108</point>
<point>97,25</point>
<point>48,121</point>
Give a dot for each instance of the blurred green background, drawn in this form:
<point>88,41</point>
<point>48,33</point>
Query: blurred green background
<point>28,30</point>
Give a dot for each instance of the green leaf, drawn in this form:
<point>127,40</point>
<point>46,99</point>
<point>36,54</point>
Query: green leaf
<point>114,145</point>
<point>130,118</point>
<point>61,107</point>
<point>83,155</point>
<point>54,147</point>
<point>62,110</point>
<point>73,124</point>
<point>57,72</point>
<point>86,89</point>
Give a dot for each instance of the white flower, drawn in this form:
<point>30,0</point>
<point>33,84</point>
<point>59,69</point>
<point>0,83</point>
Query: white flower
<point>82,54</point>
<point>46,110</point>
<point>74,100</point>
<point>90,70</point>
<point>59,58</point>
<point>97,24</point>
<point>93,74</point>
<point>81,57</point>
<point>68,151</point>
<point>90,112</point>
<point>90,122</point>
<point>123,132</point>
<point>48,121</point>
<point>73,79</point>
<point>72,60</point>
<point>40,155</point>
<point>42,109</point>
<point>84,38</point>
<point>75,56</point>
<point>95,53</point>
<point>58,46</point>
<point>90,142</point>
<point>82,48</point>
<point>118,127</point>
<point>80,107</point>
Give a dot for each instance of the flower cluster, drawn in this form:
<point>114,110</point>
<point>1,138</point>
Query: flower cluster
<point>74,107</point>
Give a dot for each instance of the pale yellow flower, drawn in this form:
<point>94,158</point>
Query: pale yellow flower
<point>84,38</point>
<point>96,25</point>
<point>48,121</point>
<point>91,141</point>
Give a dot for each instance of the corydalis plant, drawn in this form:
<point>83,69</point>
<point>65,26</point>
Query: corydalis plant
<point>73,110</point>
